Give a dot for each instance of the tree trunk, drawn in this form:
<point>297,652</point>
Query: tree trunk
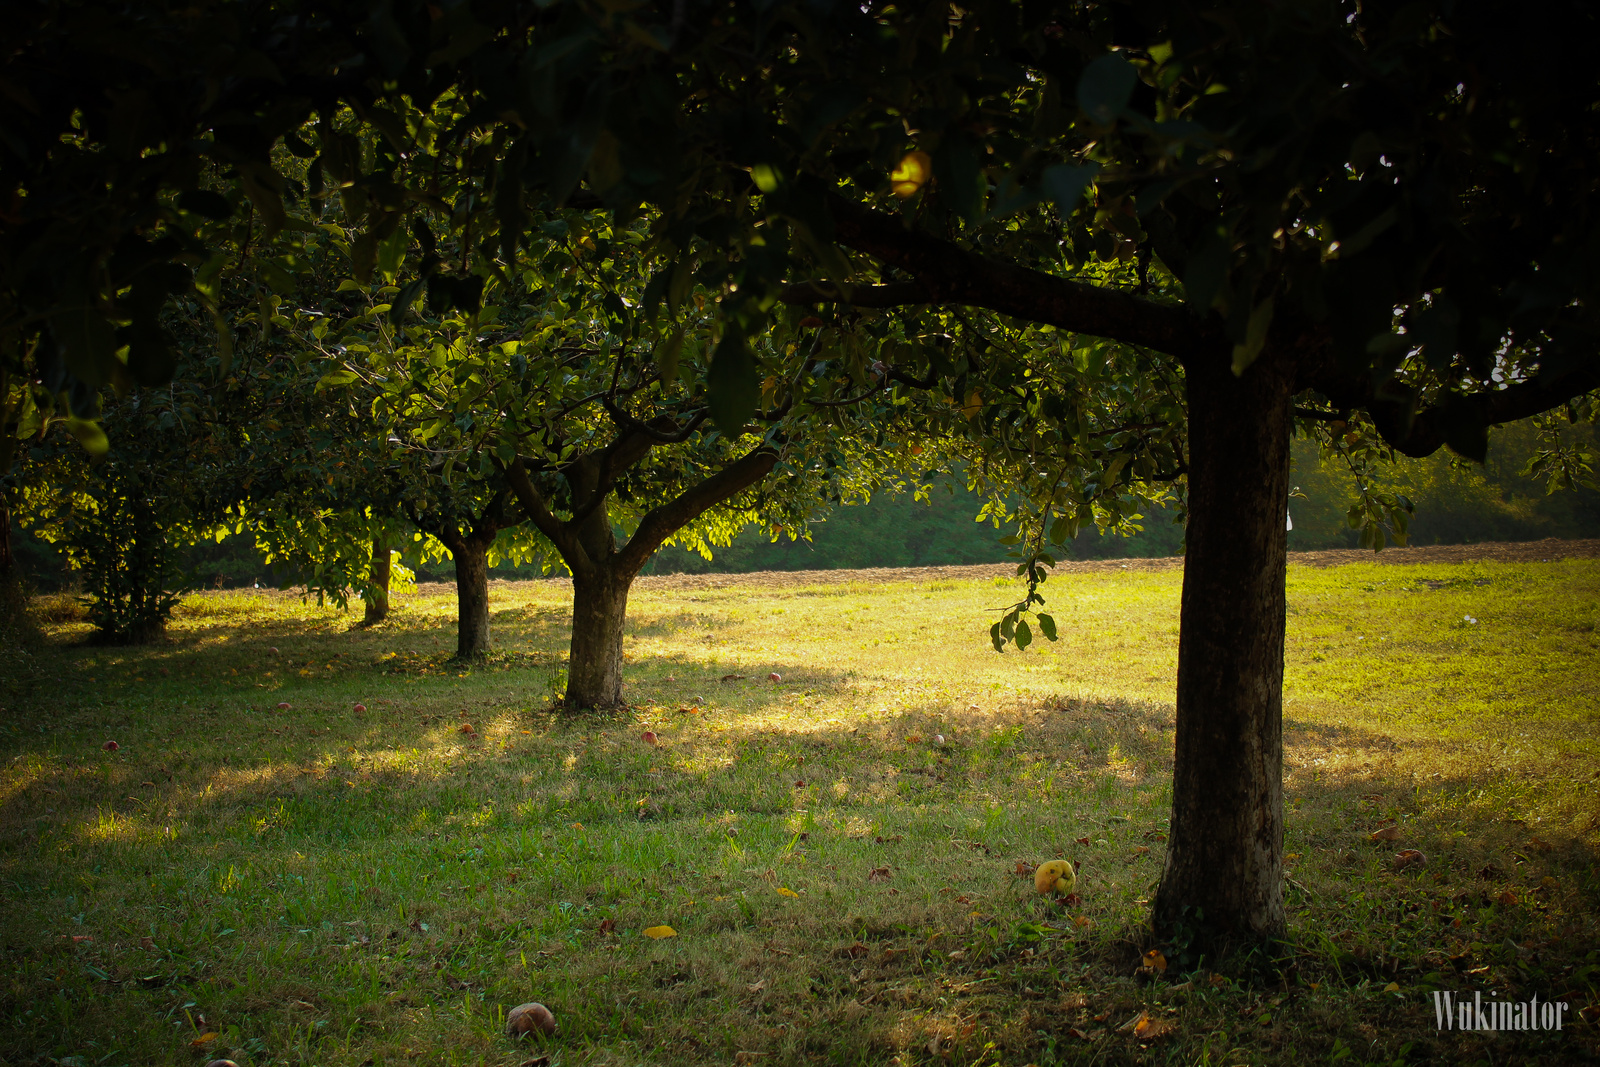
<point>1224,870</point>
<point>378,595</point>
<point>599,613</point>
<point>472,597</point>
<point>7,561</point>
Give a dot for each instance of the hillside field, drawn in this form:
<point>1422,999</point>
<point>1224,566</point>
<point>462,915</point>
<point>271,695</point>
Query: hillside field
<point>376,872</point>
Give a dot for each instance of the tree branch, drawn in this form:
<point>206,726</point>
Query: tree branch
<point>543,518</point>
<point>894,294</point>
<point>662,522</point>
<point>948,274</point>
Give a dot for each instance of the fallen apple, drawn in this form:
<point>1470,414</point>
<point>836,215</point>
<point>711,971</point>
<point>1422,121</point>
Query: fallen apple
<point>938,739</point>
<point>222,1063</point>
<point>110,746</point>
<point>649,737</point>
<point>360,708</point>
<point>1057,876</point>
<point>774,677</point>
<point>284,706</point>
<point>530,1019</point>
<point>274,651</point>
<point>670,678</point>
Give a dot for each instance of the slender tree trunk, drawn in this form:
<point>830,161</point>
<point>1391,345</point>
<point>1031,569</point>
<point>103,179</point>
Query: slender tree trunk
<point>599,614</point>
<point>1224,868</point>
<point>472,596</point>
<point>7,561</point>
<point>378,595</point>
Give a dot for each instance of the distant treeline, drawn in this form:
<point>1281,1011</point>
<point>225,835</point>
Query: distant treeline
<point>1456,503</point>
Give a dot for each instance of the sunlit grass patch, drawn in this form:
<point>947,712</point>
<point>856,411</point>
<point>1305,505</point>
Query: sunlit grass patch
<point>845,856</point>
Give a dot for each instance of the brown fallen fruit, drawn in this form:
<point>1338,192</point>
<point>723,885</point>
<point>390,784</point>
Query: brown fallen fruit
<point>530,1019</point>
<point>1409,858</point>
<point>649,737</point>
<point>110,746</point>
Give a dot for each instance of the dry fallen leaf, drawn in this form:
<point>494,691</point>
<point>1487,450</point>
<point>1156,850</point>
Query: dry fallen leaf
<point>756,987</point>
<point>855,951</point>
<point>785,891</point>
<point>1508,898</point>
<point>1388,833</point>
<point>1075,1032</point>
<point>1409,857</point>
<point>1080,921</point>
<point>607,925</point>
<point>204,1039</point>
<point>1154,961</point>
<point>656,933</point>
<point>1134,1023</point>
<point>1141,850</point>
<point>880,874</point>
<point>1392,987</point>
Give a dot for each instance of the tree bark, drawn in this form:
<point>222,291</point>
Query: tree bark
<point>471,556</point>
<point>1223,879</point>
<point>599,614</point>
<point>378,594</point>
<point>7,561</point>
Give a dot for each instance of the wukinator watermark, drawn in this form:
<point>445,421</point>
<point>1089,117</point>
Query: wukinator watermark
<point>1455,1012</point>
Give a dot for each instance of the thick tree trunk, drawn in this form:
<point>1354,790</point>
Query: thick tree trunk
<point>378,595</point>
<point>1224,869</point>
<point>599,614</point>
<point>472,597</point>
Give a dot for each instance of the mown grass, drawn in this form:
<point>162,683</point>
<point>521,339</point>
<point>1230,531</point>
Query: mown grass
<point>317,885</point>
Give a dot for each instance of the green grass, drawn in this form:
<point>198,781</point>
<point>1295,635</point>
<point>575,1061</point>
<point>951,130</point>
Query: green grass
<point>317,885</point>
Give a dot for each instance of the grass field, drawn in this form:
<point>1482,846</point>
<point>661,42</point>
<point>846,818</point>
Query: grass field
<point>318,884</point>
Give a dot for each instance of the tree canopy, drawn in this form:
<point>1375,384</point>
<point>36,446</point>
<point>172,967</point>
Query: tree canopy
<point>1371,220</point>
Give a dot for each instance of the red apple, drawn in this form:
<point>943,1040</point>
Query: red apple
<point>110,746</point>
<point>361,708</point>
<point>774,677</point>
<point>284,706</point>
<point>649,737</point>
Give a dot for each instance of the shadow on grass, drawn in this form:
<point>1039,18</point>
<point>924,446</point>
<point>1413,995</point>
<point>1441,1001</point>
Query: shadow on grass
<point>844,860</point>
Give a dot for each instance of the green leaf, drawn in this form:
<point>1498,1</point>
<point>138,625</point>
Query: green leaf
<point>733,388</point>
<point>1024,634</point>
<point>342,376</point>
<point>956,166</point>
<point>1105,88</point>
<point>1047,626</point>
<point>212,205</point>
<point>364,256</point>
<point>995,639</point>
<point>403,301</point>
<point>1255,335</point>
<point>224,341</point>
<point>1207,271</point>
<point>87,342</point>
<point>89,435</point>
<point>1065,185</point>
<point>766,177</point>
<point>667,355</point>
